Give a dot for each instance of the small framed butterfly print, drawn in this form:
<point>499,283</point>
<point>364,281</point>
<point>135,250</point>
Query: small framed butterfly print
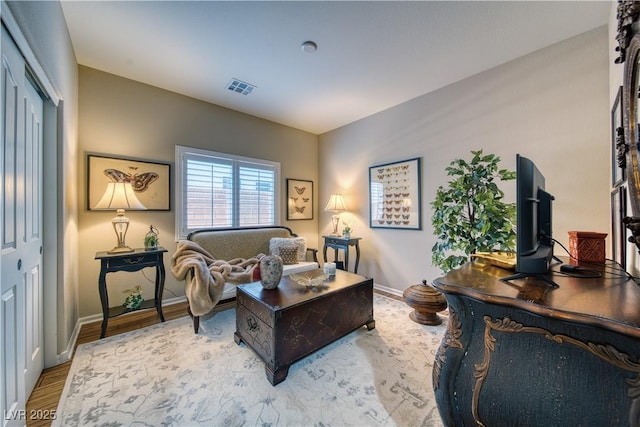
<point>299,199</point>
<point>151,181</point>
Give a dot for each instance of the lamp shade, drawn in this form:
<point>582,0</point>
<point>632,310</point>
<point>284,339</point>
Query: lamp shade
<point>119,195</point>
<point>336,203</point>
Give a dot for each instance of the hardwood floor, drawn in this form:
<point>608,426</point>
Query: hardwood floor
<point>46,394</point>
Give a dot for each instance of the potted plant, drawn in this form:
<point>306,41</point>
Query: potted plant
<point>151,238</point>
<point>469,214</point>
<point>134,300</point>
<point>346,231</point>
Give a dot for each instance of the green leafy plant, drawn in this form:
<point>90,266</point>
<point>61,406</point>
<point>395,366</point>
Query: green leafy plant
<point>469,214</point>
<point>151,238</point>
<point>134,300</point>
<point>150,241</point>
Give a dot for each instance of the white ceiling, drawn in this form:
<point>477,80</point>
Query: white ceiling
<point>371,55</point>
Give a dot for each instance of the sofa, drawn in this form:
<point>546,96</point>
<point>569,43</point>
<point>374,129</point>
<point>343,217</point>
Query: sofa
<point>245,244</point>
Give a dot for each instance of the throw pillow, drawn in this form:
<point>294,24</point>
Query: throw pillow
<point>299,242</point>
<point>289,255</point>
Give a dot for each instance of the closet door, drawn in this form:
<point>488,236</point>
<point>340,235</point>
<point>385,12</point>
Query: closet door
<point>21,353</point>
<point>31,249</point>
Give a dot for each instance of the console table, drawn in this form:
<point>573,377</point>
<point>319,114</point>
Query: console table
<point>130,261</point>
<point>523,353</point>
<point>339,242</point>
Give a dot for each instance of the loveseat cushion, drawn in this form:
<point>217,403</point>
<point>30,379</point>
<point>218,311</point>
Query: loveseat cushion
<point>301,267</point>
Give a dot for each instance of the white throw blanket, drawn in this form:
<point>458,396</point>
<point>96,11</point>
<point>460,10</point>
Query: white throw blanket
<point>204,287</point>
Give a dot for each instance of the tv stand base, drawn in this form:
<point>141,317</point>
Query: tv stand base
<point>542,276</point>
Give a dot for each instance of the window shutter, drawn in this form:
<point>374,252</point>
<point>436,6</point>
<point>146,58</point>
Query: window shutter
<point>256,195</point>
<point>209,201</point>
<point>220,190</point>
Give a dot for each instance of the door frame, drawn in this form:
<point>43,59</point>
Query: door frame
<point>52,204</point>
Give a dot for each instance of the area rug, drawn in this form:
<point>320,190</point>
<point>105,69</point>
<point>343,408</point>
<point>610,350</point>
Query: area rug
<point>165,375</point>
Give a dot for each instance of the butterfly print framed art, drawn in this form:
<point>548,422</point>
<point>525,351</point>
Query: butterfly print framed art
<point>151,181</point>
<point>395,195</point>
<point>299,199</point>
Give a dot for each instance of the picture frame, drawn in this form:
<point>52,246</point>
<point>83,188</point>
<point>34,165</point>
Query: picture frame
<point>151,179</point>
<point>618,146</point>
<point>299,199</point>
<point>619,236</point>
<point>395,196</point>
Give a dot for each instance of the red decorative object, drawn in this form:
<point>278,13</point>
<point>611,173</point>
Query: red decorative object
<point>255,273</point>
<point>587,246</point>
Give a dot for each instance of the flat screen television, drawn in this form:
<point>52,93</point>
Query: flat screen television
<point>534,243</point>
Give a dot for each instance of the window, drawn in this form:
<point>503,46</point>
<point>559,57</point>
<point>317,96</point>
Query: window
<point>217,190</point>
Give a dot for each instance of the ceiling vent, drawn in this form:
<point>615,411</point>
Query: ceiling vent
<point>240,87</point>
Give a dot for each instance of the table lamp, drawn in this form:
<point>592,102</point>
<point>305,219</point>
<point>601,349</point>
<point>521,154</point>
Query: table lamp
<point>120,196</point>
<point>336,204</point>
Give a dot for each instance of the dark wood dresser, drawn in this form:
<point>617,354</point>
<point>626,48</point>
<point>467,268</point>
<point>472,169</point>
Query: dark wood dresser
<point>285,324</point>
<point>522,353</point>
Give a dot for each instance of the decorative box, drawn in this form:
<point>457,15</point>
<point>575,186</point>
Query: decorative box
<point>587,246</point>
<point>290,322</point>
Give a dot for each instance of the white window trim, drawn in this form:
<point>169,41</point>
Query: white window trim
<point>180,192</point>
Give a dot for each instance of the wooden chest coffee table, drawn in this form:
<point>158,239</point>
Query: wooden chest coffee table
<point>290,322</point>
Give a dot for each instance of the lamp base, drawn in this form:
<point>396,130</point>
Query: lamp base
<point>120,226</point>
<point>335,220</point>
<point>120,250</point>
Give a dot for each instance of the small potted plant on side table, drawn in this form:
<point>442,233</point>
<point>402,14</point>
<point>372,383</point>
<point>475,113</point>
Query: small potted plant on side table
<point>346,232</point>
<point>134,300</point>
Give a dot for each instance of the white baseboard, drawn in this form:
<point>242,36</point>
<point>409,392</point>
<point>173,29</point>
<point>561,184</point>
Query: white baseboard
<point>67,354</point>
<point>98,317</point>
<point>388,290</point>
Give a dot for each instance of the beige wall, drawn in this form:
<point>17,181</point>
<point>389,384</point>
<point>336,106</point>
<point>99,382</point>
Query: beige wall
<point>122,117</point>
<point>551,106</point>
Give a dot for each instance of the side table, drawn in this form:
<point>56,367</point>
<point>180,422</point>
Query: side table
<point>339,242</point>
<point>130,261</point>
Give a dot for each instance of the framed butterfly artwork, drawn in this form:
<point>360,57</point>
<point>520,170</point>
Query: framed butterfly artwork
<point>395,195</point>
<point>299,199</point>
<point>151,181</point>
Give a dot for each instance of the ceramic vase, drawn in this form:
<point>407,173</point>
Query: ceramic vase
<point>270,271</point>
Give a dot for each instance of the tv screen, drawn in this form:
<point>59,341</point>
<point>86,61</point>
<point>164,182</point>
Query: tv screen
<point>534,243</point>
